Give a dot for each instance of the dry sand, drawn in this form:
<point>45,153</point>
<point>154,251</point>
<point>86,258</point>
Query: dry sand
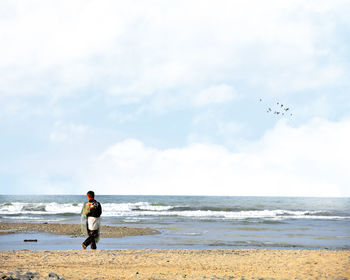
<point>72,229</point>
<point>180,264</point>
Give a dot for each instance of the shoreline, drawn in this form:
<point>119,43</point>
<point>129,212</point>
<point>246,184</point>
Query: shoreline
<point>180,264</point>
<point>73,229</point>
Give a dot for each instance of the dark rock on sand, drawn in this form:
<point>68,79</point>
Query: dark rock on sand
<point>19,276</point>
<point>54,276</point>
<point>28,276</point>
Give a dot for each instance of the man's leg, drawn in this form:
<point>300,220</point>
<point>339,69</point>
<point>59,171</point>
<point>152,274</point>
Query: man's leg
<point>93,243</point>
<point>91,239</point>
<point>88,240</point>
<point>94,234</point>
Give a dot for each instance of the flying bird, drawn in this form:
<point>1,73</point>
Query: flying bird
<point>279,109</point>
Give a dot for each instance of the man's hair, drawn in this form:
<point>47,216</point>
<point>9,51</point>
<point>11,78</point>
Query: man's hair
<point>91,194</point>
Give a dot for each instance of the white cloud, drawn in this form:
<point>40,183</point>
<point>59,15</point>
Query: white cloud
<point>67,132</point>
<point>211,126</point>
<point>136,51</point>
<point>215,94</point>
<point>311,160</point>
<point>231,129</point>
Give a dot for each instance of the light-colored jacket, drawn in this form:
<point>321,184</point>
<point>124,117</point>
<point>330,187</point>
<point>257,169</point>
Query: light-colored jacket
<point>93,223</point>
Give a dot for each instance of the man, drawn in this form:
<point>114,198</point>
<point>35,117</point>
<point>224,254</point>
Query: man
<point>93,211</point>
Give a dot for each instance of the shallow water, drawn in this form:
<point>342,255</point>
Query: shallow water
<point>191,222</point>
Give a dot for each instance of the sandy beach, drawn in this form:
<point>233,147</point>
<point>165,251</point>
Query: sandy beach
<point>73,229</point>
<point>158,264</point>
<point>179,264</point>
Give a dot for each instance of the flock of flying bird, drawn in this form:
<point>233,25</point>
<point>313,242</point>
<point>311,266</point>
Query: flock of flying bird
<point>280,109</point>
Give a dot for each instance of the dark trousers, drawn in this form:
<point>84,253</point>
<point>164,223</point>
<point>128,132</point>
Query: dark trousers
<point>91,239</point>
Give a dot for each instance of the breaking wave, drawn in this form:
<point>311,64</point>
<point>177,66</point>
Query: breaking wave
<point>20,208</point>
<point>142,209</point>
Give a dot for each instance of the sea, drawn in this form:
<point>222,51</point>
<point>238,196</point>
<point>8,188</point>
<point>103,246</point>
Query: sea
<point>187,222</point>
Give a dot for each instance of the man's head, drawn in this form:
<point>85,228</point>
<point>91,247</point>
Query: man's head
<point>90,195</point>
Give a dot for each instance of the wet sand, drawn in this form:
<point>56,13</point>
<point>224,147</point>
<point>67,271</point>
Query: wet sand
<point>73,229</point>
<point>179,264</point>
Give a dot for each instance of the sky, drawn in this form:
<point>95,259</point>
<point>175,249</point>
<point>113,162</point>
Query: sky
<point>173,97</point>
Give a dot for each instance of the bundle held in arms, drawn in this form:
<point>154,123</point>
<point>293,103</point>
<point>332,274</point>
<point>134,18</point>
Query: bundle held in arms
<point>88,220</point>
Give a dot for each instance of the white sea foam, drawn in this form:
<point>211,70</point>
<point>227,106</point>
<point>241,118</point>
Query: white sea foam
<point>40,208</point>
<point>191,233</point>
<point>143,209</point>
<point>117,207</point>
<point>25,218</point>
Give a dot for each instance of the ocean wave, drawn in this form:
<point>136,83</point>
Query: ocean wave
<point>35,208</point>
<point>24,218</point>
<point>137,206</point>
<point>143,209</point>
<point>21,208</point>
<point>264,214</point>
<point>320,213</point>
<point>212,208</point>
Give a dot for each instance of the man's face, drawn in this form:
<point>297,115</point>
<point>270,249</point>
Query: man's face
<point>88,197</point>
